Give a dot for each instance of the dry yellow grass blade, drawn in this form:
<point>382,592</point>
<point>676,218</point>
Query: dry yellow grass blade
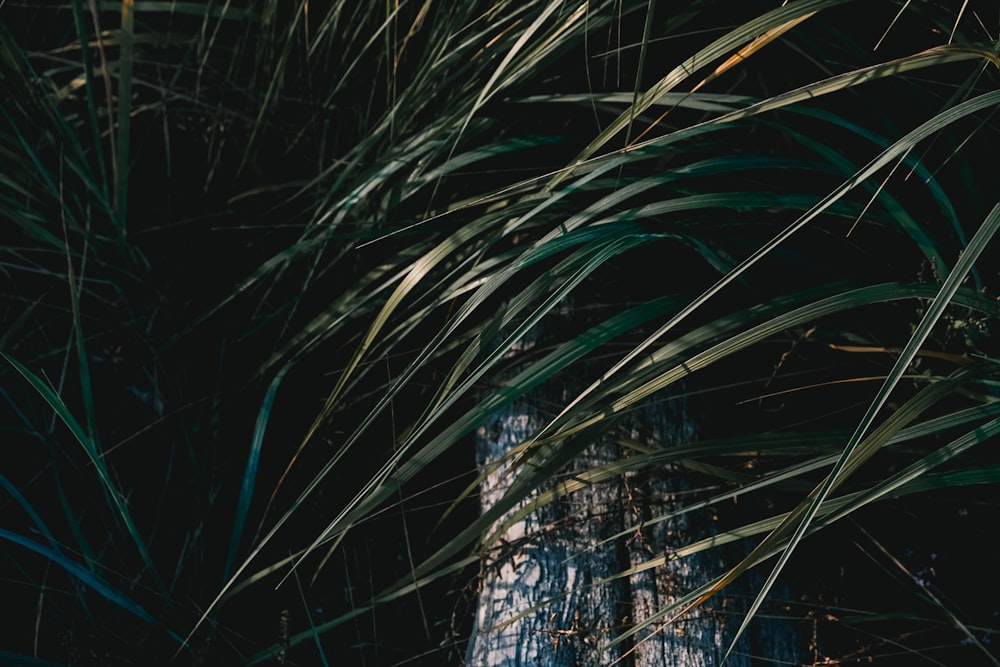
<point>731,62</point>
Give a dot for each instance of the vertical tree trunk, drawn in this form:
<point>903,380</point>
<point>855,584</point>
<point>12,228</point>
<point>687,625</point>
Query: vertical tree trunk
<point>552,553</point>
<point>540,603</point>
<point>701,638</point>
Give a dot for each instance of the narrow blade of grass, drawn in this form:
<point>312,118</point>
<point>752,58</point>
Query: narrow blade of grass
<point>849,458</point>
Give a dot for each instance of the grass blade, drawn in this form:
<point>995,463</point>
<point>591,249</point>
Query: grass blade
<point>250,473</point>
<point>88,578</point>
<point>848,459</point>
<point>126,60</point>
<point>111,492</point>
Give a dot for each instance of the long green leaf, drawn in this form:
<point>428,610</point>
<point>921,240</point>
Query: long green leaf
<point>853,455</point>
<point>111,492</point>
<point>730,41</point>
<point>899,148</point>
<point>250,473</point>
<point>87,577</point>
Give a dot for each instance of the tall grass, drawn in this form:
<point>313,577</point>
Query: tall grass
<point>265,261</point>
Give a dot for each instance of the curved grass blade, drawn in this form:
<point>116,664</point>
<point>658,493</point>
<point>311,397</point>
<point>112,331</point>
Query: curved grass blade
<point>735,39</point>
<point>583,430</point>
<point>94,455</point>
<point>780,317</point>
<point>769,443</point>
<point>931,57</point>
<point>778,540</point>
<point>30,511</point>
<point>86,577</point>
<point>126,60</point>
<point>20,660</point>
<point>595,256</point>
<point>898,148</point>
<point>90,89</point>
<point>848,459</point>
<point>250,474</point>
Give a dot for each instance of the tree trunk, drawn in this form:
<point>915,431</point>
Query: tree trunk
<point>553,552</point>
<point>539,600</point>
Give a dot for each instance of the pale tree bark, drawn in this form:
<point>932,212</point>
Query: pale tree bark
<point>551,553</point>
<point>538,602</point>
<point>700,638</point>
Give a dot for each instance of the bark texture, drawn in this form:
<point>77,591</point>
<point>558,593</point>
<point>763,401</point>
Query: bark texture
<point>552,553</point>
<point>540,602</point>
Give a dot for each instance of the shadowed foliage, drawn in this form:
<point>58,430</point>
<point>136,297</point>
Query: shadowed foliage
<point>268,266</point>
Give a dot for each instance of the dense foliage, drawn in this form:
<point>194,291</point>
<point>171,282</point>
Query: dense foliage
<point>264,261</point>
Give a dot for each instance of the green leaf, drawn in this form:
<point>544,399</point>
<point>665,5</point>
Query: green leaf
<point>854,454</point>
